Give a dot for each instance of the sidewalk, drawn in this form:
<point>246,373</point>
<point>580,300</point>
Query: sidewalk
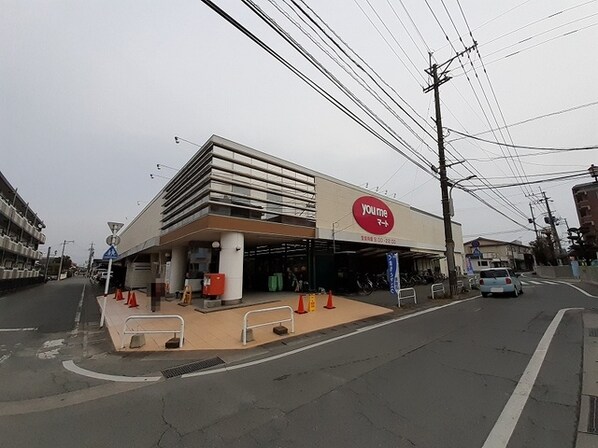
<point>222,330</point>
<point>587,430</point>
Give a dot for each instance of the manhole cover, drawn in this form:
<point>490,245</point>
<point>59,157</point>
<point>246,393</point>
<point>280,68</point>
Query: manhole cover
<point>191,367</point>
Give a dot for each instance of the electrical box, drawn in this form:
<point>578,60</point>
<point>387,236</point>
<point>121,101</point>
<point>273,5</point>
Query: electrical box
<point>213,284</point>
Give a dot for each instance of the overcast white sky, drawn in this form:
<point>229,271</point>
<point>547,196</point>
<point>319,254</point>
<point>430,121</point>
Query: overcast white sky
<point>92,94</point>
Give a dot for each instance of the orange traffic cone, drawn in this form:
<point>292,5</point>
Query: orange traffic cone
<point>300,308</point>
<point>119,295</point>
<point>133,301</point>
<point>128,297</point>
<point>329,305</point>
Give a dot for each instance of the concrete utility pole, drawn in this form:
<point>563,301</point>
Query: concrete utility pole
<point>64,243</point>
<point>556,238</point>
<point>47,264</point>
<point>437,80</point>
<point>531,209</point>
<point>91,252</point>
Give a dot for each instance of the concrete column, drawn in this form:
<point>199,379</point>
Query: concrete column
<point>231,265</point>
<point>178,268</point>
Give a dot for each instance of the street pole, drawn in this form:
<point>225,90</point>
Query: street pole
<point>114,228</point>
<point>531,209</point>
<point>556,238</point>
<point>91,252</point>
<point>47,264</point>
<point>439,79</point>
<point>62,256</point>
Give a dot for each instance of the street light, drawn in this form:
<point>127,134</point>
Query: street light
<point>453,184</point>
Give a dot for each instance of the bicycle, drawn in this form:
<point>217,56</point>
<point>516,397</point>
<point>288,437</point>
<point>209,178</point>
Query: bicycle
<point>364,285</point>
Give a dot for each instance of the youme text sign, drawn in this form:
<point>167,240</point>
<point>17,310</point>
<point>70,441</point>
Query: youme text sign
<point>373,215</point>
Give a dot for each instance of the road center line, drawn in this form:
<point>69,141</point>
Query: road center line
<point>505,425</point>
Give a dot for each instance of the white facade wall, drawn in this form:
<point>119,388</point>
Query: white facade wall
<point>414,229</point>
<point>143,228</point>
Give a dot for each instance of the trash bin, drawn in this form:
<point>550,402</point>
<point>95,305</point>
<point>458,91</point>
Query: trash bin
<point>272,283</point>
<point>278,281</point>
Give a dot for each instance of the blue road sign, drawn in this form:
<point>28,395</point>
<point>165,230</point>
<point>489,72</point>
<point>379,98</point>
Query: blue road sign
<point>477,253</point>
<point>110,254</point>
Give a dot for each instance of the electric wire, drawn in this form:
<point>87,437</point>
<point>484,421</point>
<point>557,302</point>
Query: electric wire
<point>562,111</point>
<point>478,100</point>
<point>388,43</point>
<point>310,58</point>
<point>537,148</point>
<point>351,72</point>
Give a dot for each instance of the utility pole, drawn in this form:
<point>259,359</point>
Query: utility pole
<point>531,209</point>
<point>556,238</point>
<point>437,80</point>
<point>47,264</point>
<point>64,243</point>
<point>91,252</point>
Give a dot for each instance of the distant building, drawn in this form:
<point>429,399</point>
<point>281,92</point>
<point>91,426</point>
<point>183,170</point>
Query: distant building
<point>586,204</point>
<point>485,253</point>
<point>20,237</point>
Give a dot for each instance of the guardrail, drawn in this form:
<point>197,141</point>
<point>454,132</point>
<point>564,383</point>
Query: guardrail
<point>277,308</point>
<point>151,316</point>
<point>407,293</point>
<point>436,288</point>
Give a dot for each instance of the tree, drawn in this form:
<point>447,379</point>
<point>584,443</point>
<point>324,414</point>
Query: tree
<point>543,250</point>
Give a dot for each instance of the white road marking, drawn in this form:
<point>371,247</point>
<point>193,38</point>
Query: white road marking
<point>4,358</point>
<point>53,343</point>
<point>6,330</point>
<point>70,366</point>
<point>75,331</point>
<point>50,354</point>
<point>579,289</point>
<point>546,282</point>
<point>505,425</point>
<point>534,282</point>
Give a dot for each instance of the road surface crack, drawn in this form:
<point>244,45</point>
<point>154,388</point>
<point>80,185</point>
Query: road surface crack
<point>169,426</point>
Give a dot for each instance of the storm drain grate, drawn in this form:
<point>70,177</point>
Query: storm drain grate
<point>191,367</point>
<point>593,332</point>
<point>593,416</point>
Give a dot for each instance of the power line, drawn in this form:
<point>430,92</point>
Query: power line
<point>312,60</point>
<point>532,182</point>
<point>562,111</point>
<point>308,81</point>
<point>538,148</point>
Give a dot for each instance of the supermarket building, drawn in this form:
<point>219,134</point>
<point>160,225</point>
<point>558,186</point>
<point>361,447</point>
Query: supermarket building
<point>238,211</point>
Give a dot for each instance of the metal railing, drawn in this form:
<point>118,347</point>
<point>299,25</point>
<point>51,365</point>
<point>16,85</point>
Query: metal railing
<point>407,293</point>
<point>181,331</point>
<point>278,321</point>
<point>436,288</point>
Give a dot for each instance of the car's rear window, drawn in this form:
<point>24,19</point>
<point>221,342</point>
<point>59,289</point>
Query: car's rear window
<point>494,273</point>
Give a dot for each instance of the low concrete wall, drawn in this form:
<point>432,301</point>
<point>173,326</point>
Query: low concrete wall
<point>554,271</point>
<point>588,274</point>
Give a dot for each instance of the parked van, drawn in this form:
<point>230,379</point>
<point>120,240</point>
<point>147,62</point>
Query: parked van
<point>500,281</point>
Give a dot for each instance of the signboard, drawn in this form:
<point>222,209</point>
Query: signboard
<point>394,279</point>
<point>373,215</point>
<point>311,304</point>
<point>110,254</point>
<point>476,253</point>
<point>475,243</point>
<point>113,240</point>
<point>469,266</point>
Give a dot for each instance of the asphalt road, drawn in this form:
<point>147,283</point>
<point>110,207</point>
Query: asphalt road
<point>436,380</point>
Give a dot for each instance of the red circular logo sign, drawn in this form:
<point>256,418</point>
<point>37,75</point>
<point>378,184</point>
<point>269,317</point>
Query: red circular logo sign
<point>373,215</point>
